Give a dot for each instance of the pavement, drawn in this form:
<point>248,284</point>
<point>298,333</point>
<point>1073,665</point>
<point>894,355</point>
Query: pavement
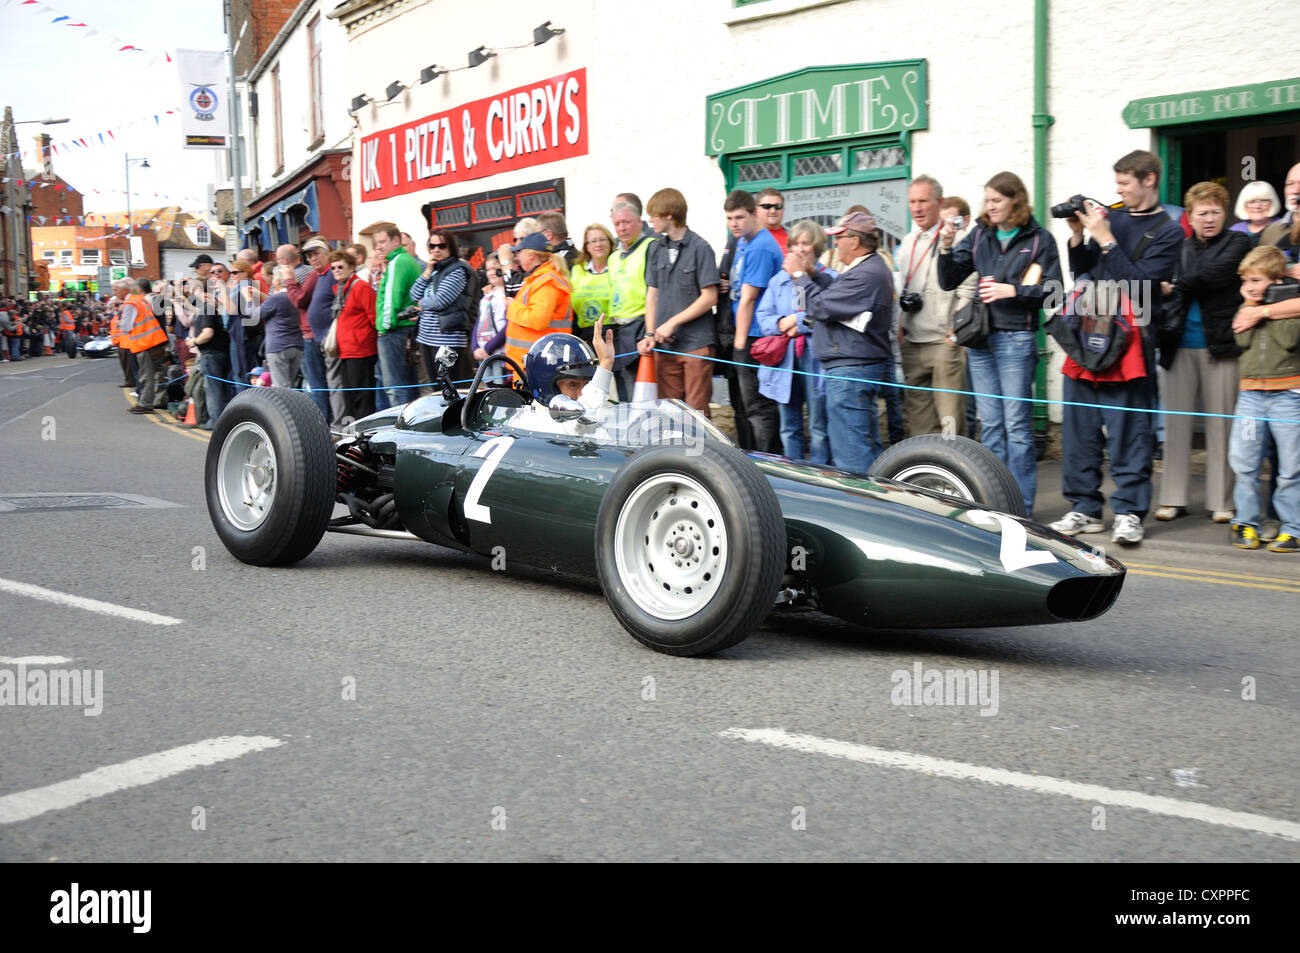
<point>389,700</point>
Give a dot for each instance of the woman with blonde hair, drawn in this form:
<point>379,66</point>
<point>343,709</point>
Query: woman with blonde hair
<point>589,279</point>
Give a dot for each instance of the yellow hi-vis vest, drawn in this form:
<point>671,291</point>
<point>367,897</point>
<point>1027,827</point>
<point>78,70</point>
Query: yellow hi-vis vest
<point>627,282</point>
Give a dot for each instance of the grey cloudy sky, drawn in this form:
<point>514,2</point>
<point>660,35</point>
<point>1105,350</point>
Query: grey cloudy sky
<point>53,70</point>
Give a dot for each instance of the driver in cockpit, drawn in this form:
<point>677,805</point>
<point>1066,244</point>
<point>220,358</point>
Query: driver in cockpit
<point>563,364</point>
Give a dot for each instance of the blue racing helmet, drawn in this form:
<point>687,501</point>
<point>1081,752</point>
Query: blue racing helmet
<point>558,357</point>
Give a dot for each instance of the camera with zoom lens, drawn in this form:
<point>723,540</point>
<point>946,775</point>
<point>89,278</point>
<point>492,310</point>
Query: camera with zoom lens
<point>910,301</point>
<point>1067,209</point>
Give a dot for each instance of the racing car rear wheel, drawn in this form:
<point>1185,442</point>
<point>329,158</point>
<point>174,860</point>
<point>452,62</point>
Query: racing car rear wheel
<point>690,547</point>
<point>270,476</point>
<point>957,466</point>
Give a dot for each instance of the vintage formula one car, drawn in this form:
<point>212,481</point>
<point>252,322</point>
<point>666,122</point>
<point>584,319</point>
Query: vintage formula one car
<point>693,541</point>
<point>101,345</point>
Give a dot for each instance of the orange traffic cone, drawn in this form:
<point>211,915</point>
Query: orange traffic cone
<point>191,417</point>
<point>646,387</point>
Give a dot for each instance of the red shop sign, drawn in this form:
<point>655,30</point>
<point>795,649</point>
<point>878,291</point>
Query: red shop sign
<point>530,125</point>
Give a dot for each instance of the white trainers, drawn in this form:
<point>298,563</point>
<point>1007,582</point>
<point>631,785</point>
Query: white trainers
<point>1073,523</point>
<point>1126,529</point>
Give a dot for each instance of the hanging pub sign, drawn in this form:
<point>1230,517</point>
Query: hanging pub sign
<point>816,105</point>
<point>526,126</point>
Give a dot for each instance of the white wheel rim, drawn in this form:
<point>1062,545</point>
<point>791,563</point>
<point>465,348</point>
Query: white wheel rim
<point>246,476</point>
<point>929,476</point>
<point>670,546</point>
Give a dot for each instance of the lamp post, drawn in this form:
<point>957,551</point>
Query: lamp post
<point>130,226</point>
<point>15,210</point>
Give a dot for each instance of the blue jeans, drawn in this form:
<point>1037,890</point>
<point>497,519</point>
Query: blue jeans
<point>803,388</point>
<point>216,393</point>
<point>1246,450</point>
<point>1129,433</point>
<point>397,373</point>
<point>851,414</point>
<point>1007,368</point>
<point>313,372</point>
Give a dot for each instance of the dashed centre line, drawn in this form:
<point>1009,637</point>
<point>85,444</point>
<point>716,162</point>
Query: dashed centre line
<point>26,805</point>
<point>1038,784</point>
<point>81,602</point>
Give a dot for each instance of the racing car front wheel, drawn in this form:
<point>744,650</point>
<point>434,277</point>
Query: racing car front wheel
<point>690,547</point>
<point>270,476</point>
<point>957,466</point>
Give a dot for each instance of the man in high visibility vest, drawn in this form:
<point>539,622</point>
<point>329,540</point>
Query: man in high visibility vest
<point>542,305</point>
<point>68,331</point>
<point>145,338</point>
<point>627,267</point>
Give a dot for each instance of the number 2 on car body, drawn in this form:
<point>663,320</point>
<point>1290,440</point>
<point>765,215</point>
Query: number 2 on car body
<point>1015,552</point>
<point>494,450</point>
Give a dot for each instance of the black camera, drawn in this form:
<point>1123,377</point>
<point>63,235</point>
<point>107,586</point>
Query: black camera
<point>1066,209</point>
<point>910,301</point>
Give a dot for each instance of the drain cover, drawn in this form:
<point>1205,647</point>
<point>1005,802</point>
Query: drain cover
<point>29,502</point>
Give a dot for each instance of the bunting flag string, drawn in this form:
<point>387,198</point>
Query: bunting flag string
<point>32,184</point>
<point>33,154</point>
<point>63,21</point>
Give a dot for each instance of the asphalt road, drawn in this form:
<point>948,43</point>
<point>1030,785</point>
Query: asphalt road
<point>411,704</point>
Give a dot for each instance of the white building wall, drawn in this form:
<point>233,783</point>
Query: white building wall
<point>295,102</point>
<point>650,66</point>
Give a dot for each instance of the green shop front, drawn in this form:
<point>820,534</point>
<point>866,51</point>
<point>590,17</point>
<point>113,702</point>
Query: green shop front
<point>1232,135</point>
<point>828,137</point>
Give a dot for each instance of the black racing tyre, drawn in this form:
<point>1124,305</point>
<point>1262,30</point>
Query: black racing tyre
<point>270,476</point>
<point>690,547</point>
<point>957,466</point>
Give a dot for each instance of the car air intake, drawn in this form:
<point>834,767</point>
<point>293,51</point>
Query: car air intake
<point>1085,597</point>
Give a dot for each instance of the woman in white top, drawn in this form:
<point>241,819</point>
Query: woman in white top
<point>490,330</point>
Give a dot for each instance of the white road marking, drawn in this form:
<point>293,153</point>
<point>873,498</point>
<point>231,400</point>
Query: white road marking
<point>25,805</point>
<point>36,660</point>
<point>80,602</point>
<point>1039,784</point>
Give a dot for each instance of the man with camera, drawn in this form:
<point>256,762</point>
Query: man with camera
<point>930,359</point>
<point>1137,247</point>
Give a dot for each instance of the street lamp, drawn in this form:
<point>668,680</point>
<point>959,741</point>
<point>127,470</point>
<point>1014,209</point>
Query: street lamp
<point>10,148</point>
<point>130,227</point>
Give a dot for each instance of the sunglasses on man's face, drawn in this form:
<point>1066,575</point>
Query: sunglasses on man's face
<point>769,206</point>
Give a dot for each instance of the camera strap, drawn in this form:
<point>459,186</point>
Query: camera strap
<point>911,269</point>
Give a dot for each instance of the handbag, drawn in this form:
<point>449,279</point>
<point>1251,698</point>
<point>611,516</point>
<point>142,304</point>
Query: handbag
<point>970,324</point>
<point>770,349</point>
<point>330,346</point>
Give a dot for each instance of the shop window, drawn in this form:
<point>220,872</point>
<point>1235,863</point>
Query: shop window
<point>866,159</point>
<point>534,203</point>
<point>450,216</point>
<point>766,171</point>
<point>829,164</point>
<point>117,256</point>
<point>494,210</point>
<point>90,256</point>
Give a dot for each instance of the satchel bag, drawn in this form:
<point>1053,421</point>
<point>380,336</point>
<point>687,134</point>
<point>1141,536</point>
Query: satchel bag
<point>970,323</point>
<point>770,350</point>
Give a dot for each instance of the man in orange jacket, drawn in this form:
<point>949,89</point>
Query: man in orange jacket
<point>68,332</point>
<point>145,338</point>
<point>542,305</point>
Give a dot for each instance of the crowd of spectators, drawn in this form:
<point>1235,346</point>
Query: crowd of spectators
<point>813,329</point>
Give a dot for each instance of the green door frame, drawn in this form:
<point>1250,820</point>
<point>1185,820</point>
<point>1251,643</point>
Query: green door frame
<point>1171,159</point>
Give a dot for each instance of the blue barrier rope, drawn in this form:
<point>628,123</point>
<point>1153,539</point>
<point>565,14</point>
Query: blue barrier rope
<point>971,393</point>
<point>836,377</point>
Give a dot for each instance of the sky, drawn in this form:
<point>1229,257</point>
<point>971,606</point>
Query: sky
<point>55,70</point>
